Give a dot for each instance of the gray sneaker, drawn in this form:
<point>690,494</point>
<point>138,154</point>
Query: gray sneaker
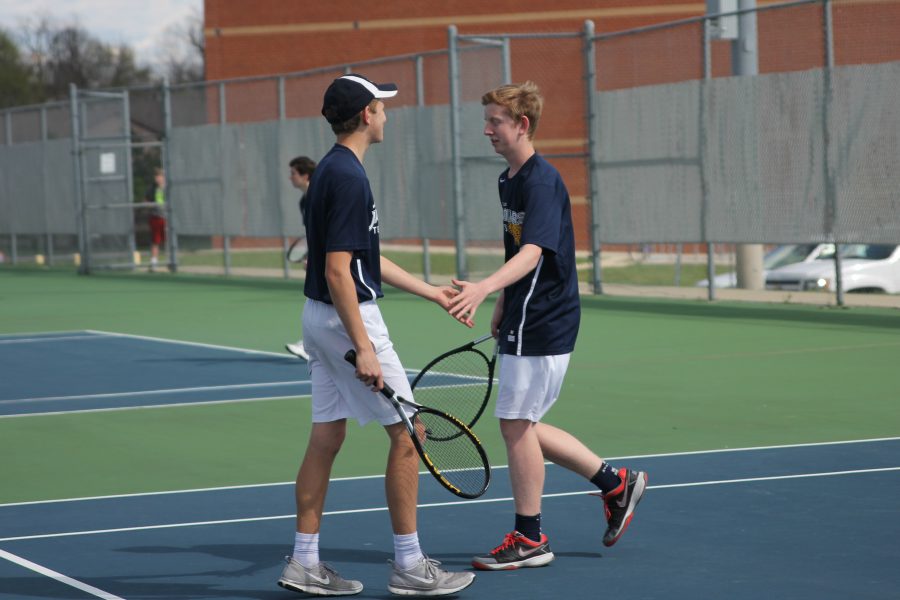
<point>320,580</point>
<point>427,579</point>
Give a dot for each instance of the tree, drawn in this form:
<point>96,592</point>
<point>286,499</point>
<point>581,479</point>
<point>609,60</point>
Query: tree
<point>185,50</point>
<point>16,84</point>
<point>66,54</point>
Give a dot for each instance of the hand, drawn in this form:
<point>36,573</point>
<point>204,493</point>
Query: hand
<point>443,295</point>
<point>463,306</point>
<point>368,369</point>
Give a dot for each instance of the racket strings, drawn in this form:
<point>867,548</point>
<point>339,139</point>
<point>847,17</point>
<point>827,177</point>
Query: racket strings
<point>452,452</point>
<point>297,252</point>
<point>457,384</point>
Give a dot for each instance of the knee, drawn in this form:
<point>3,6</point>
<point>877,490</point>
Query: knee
<point>513,430</point>
<point>329,439</point>
<point>400,440</point>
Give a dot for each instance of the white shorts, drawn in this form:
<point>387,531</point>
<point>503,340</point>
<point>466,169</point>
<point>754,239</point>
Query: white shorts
<point>529,385</point>
<point>336,392</point>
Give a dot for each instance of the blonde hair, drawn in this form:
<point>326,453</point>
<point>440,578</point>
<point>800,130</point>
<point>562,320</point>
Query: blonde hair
<point>519,100</point>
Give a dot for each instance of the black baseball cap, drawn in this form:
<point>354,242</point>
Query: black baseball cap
<point>348,95</point>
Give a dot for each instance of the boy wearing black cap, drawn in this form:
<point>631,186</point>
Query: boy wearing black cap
<point>344,274</point>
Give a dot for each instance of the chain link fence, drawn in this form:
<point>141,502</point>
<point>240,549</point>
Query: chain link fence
<point>674,150</point>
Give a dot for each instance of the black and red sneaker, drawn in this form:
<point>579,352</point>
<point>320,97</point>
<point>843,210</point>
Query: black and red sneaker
<point>621,502</point>
<point>515,552</point>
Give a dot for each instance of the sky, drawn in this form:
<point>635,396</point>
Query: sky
<point>141,24</point>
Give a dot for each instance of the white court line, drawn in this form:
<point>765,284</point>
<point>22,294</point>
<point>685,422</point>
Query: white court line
<point>58,576</point>
<point>150,406</point>
<point>183,343</point>
<point>50,339</point>
<point>201,388</point>
<point>355,511</point>
<point>40,333</point>
<point>334,479</point>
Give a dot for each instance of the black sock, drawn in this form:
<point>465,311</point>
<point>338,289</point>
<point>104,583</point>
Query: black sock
<point>530,527</point>
<point>607,478</point>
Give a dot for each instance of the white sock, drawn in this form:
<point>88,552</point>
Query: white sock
<point>306,549</point>
<point>407,551</point>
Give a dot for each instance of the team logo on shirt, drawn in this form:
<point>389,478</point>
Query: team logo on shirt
<point>373,226</point>
<point>512,224</point>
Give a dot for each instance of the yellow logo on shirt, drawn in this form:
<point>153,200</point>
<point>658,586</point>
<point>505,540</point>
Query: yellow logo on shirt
<point>512,224</point>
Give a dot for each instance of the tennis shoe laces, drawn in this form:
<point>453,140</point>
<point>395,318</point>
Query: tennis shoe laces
<point>321,580</point>
<point>426,578</point>
<point>516,551</point>
<point>619,504</point>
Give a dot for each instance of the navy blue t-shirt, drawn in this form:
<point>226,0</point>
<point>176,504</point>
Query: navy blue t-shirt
<point>342,217</point>
<point>541,311</point>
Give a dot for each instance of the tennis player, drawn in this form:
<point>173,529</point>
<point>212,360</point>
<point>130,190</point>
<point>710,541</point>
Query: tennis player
<point>302,168</point>
<point>536,320</point>
<point>344,275</point>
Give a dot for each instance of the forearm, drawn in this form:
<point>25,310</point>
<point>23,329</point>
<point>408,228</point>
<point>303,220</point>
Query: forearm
<point>514,269</point>
<point>395,275</point>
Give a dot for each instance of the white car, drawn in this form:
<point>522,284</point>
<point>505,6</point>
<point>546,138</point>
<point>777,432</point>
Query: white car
<point>864,268</point>
<point>778,256</point>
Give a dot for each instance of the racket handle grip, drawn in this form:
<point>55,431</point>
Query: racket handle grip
<point>350,357</point>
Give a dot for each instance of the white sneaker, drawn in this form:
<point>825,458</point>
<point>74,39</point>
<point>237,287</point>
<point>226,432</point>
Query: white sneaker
<point>427,579</point>
<point>297,350</point>
<point>320,580</point>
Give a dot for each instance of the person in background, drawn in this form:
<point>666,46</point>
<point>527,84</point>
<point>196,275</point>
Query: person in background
<point>302,168</point>
<point>156,195</point>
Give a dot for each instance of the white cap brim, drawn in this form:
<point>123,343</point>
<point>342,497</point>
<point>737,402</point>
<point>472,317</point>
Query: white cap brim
<point>385,90</point>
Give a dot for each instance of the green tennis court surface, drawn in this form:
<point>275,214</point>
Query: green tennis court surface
<point>647,376</point>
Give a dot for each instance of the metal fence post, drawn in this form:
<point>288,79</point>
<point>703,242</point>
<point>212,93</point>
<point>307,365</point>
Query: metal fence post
<point>81,225</point>
<point>129,172</point>
<point>172,233</point>
<point>593,174</point>
<point>507,61</point>
<point>226,240</point>
<point>704,182</point>
<point>462,271</point>
<point>282,115</point>
<point>48,236</point>
<point>423,233</point>
<point>831,206</point>
<point>13,243</point>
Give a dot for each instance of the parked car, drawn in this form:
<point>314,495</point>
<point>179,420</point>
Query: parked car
<point>778,256</point>
<point>864,268</point>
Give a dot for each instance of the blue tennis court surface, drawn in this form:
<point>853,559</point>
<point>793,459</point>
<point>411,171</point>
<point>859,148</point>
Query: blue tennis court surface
<point>767,522</point>
<point>96,370</point>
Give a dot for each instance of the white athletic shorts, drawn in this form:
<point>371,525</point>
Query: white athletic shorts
<point>529,385</point>
<point>336,392</point>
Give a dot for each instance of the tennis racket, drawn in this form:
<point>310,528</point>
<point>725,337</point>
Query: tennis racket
<point>449,449</point>
<point>298,251</point>
<point>458,381</point>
